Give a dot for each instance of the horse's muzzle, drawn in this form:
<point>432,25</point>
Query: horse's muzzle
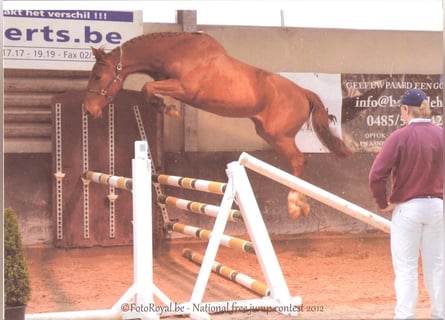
<point>95,113</point>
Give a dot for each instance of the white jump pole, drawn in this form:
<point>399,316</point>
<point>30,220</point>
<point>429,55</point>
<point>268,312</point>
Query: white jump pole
<point>142,226</point>
<point>315,192</point>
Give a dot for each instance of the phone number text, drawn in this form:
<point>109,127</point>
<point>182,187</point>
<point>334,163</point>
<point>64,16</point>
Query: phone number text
<point>49,54</point>
<point>395,120</point>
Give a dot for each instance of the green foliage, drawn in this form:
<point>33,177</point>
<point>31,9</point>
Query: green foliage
<point>17,284</point>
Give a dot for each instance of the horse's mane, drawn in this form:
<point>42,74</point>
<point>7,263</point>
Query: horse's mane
<point>158,35</point>
<point>154,36</point>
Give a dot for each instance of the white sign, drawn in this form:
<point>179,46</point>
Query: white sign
<point>62,39</point>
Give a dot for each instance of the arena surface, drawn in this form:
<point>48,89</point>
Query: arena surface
<point>338,276</point>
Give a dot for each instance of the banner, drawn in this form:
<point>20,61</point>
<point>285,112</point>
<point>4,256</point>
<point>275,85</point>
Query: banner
<point>61,39</point>
<point>369,111</point>
<point>362,107</point>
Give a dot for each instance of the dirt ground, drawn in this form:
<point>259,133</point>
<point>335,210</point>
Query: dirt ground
<point>337,276</point>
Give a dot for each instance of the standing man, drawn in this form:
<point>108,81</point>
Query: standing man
<point>413,157</point>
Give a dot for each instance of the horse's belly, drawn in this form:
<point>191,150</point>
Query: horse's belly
<point>229,99</point>
<point>228,106</point>
<point>226,86</point>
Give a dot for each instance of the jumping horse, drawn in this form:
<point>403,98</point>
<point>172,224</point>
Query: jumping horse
<point>195,69</point>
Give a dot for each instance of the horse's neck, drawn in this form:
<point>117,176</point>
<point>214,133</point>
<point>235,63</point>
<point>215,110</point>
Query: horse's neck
<point>148,52</point>
<point>134,57</point>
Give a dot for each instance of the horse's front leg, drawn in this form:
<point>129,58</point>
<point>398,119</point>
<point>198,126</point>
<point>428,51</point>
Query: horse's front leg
<point>157,102</point>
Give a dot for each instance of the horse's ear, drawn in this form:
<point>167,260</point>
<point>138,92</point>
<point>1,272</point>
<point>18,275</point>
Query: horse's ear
<point>98,53</point>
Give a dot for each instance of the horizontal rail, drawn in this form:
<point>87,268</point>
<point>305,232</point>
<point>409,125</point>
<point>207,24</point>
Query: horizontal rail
<point>107,179</point>
<point>181,182</point>
<point>203,234</point>
<point>27,115</point>
<point>233,275</point>
<point>27,130</point>
<point>199,207</point>
<point>191,183</point>
<point>315,192</point>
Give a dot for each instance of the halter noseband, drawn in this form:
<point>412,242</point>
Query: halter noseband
<point>104,92</point>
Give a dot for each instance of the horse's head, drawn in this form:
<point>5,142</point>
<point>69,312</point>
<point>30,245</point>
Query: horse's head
<point>105,81</point>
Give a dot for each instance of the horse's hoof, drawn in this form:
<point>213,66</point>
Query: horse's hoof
<point>294,215</point>
<point>172,111</point>
<point>305,208</point>
<point>294,212</point>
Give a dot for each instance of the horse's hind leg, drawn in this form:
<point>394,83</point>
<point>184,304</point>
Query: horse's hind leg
<point>284,144</point>
<point>296,202</point>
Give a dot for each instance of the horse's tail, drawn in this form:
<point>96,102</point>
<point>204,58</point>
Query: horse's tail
<point>320,123</point>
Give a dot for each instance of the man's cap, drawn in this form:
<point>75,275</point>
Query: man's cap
<point>413,98</point>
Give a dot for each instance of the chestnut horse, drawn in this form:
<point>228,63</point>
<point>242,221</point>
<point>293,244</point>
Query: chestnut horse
<point>195,69</point>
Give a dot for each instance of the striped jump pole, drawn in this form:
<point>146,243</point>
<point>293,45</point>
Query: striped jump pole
<point>190,183</point>
<point>229,273</point>
<point>107,179</point>
<point>315,192</point>
<point>204,234</point>
<point>199,207</point>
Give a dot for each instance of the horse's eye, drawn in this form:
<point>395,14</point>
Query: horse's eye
<point>97,77</point>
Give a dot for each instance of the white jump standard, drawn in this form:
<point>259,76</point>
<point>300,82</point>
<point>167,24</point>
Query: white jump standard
<point>236,189</point>
<point>143,289</point>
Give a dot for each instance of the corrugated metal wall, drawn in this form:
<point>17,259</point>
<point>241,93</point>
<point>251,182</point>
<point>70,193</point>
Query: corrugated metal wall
<point>27,106</point>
